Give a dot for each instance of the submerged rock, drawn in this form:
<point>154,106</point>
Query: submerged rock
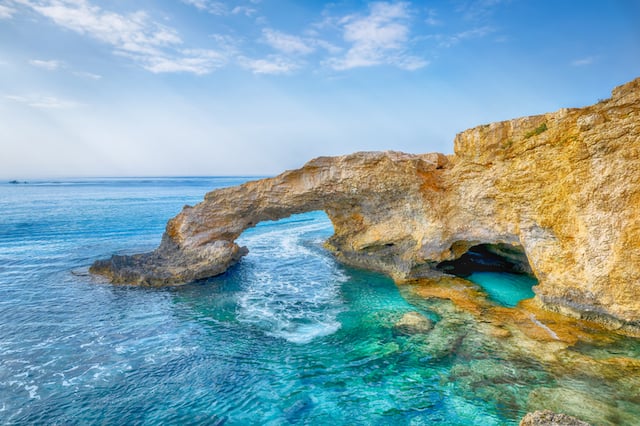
<point>414,323</point>
<point>559,190</point>
<point>601,409</point>
<point>549,418</point>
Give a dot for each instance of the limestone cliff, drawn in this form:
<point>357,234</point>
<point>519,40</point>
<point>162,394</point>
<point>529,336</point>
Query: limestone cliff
<point>556,194</point>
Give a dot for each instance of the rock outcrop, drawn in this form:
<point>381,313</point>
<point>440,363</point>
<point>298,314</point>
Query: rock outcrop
<point>555,194</point>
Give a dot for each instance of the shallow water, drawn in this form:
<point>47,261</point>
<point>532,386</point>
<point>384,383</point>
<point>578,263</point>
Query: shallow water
<point>288,336</point>
<point>503,288</point>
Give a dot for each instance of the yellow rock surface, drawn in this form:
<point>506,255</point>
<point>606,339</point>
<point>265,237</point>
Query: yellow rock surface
<point>563,188</point>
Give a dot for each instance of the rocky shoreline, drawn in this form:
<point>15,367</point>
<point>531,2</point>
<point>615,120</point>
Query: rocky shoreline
<point>555,194</point>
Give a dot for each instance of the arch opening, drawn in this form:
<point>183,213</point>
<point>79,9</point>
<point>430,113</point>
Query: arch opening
<point>487,258</point>
<point>288,283</point>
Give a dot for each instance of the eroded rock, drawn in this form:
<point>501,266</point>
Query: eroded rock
<point>562,188</point>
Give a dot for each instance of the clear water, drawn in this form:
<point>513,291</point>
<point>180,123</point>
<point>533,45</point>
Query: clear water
<point>503,288</point>
<point>288,336</point>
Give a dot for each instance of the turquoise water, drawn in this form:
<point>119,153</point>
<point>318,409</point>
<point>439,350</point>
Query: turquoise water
<point>505,289</point>
<point>288,336</point>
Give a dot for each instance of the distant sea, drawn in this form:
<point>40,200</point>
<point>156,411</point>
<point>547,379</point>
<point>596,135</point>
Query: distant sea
<point>287,336</point>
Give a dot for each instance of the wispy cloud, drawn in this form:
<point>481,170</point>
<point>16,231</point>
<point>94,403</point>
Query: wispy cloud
<point>450,40</point>
<point>196,61</point>
<point>154,46</point>
<point>583,61</point>
<point>285,42</point>
<point>49,65</point>
<point>432,18</point>
<point>273,64</point>
<point>475,10</point>
<point>88,75</point>
<point>323,44</point>
<point>43,102</point>
<point>381,37</point>
<point>410,63</point>
<point>221,9</point>
<point>213,7</point>
<point>244,10</point>
<point>6,12</point>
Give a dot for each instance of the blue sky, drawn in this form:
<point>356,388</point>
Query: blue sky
<point>253,87</point>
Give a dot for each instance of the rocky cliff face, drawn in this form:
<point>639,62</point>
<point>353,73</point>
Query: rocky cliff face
<point>567,184</point>
<point>556,194</point>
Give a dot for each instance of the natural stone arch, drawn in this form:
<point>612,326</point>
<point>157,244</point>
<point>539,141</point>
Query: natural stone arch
<point>565,186</point>
<point>360,193</point>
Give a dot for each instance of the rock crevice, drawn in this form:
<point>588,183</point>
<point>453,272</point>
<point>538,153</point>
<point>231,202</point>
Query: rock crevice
<point>562,189</point>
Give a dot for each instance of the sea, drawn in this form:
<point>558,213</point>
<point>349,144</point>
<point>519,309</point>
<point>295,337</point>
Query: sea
<point>286,336</point>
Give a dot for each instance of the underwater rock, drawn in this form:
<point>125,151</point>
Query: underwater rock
<point>598,409</point>
<point>549,418</point>
<point>413,323</point>
<point>556,194</point>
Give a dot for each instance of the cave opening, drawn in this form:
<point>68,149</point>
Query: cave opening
<point>502,270</point>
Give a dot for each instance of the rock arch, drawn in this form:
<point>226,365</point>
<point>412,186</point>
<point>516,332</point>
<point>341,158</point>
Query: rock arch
<point>564,186</point>
<point>361,194</point>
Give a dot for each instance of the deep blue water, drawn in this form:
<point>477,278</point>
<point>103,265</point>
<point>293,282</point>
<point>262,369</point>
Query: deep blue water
<point>287,336</point>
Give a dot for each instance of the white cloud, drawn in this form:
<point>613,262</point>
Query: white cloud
<point>213,7</point>
<point>6,12</point>
<point>329,47</point>
<point>198,4</point>
<point>196,61</point>
<point>410,63</point>
<point>244,10</point>
<point>154,46</point>
<point>43,102</point>
<point>285,42</point>
<point>88,75</point>
<point>50,65</point>
<point>271,65</point>
<point>219,8</point>
<point>228,44</point>
<point>381,37</point>
<point>583,61</point>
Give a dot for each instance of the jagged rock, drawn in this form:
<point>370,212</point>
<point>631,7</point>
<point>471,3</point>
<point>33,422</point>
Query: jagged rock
<point>549,418</point>
<point>413,323</point>
<point>561,190</point>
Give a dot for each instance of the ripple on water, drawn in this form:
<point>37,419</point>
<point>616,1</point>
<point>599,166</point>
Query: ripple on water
<point>286,336</point>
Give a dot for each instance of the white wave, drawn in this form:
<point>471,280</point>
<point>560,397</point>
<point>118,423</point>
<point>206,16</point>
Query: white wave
<point>307,332</point>
<point>33,391</point>
<point>292,290</point>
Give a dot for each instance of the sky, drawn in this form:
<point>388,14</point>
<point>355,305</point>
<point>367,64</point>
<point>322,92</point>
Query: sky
<point>253,87</point>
